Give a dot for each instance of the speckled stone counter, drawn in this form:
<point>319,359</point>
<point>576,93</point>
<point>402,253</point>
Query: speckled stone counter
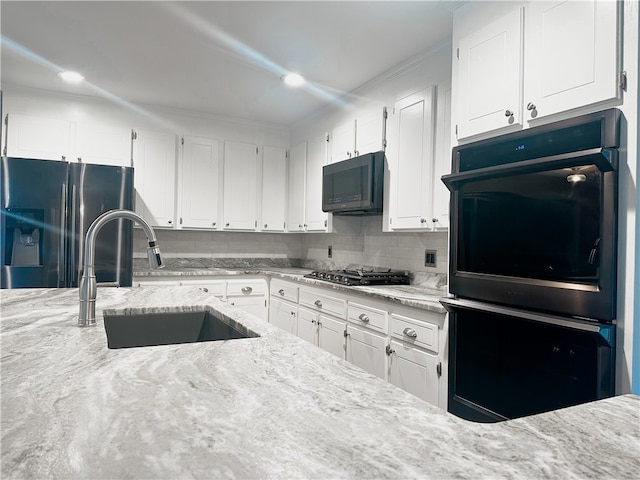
<point>425,296</point>
<point>267,407</point>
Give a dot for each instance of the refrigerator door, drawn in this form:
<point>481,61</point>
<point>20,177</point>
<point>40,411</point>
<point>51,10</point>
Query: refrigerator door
<point>93,190</point>
<point>32,226</point>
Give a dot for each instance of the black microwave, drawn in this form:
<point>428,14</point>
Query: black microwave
<point>354,186</point>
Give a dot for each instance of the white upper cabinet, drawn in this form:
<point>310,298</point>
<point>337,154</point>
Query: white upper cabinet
<point>154,161</point>
<point>35,137</point>
<point>490,76</point>
<point>342,141</point>
<point>410,157</point>
<point>314,218</point>
<point>356,137</point>
<point>103,144</point>
<point>522,66</point>
<point>199,182</point>
<point>54,139</point>
<point>274,188</point>
<point>572,58</point>
<point>240,186</point>
<point>296,184</point>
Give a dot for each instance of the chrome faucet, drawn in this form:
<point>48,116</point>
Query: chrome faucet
<point>88,286</point>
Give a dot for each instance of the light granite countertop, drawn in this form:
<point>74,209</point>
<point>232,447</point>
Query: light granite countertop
<point>425,296</point>
<point>267,407</point>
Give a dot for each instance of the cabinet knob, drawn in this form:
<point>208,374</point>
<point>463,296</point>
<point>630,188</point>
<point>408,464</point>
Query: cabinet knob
<point>423,220</point>
<point>281,291</point>
<point>363,318</point>
<point>227,224</point>
<point>390,351</point>
<point>410,332</point>
<point>357,152</point>
<point>213,224</point>
<point>246,289</point>
<point>434,220</point>
<point>265,225</point>
<point>508,113</point>
<point>532,108</point>
<point>169,222</point>
<point>318,303</point>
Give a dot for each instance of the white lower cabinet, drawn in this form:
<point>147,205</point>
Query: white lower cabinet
<point>366,349</point>
<point>249,295</point>
<point>284,315</point>
<point>414,370</point>
<point>400,344</point>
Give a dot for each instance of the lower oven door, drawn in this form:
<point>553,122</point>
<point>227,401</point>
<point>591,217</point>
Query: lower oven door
<point>507,363</point>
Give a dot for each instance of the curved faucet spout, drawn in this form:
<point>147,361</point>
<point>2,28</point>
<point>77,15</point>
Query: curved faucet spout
<point>88,287</point>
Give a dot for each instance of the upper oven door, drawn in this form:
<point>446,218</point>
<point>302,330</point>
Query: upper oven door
<point>538,233</point>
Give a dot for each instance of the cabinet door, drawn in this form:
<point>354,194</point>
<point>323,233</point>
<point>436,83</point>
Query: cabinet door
<point>35,137</point>
<point>314,218</point>
<point>283,315</point>
<point>411,162</point>
<point>274,188</point>
<point>240,185</point>
<point>308,325</point>
<point>370,132</point>
<point>366,349</point>
<point>103,144</point>
<point>331,335</point>
<point>414,371</point>
<point>442,161</point>
<point>154,160</point>
<point>199,182</point>
<point>571,56</point>
<point>256,306</point>
<point>490,77</point>
<point>342,142</point>
<point>295,203</point>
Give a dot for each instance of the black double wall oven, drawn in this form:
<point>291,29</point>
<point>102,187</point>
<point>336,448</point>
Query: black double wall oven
<point>532,269</point>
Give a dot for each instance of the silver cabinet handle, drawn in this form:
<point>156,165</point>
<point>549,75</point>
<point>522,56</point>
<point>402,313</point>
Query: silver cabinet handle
<point>530,106</point>
<point>410,332</point>
<point>508,113</point>
<point>364,318</point>
<point>246,290</point>
<point>318,303</point>
<point>281,291</point>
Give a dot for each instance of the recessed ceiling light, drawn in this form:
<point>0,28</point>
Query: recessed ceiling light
<point>293,79</point>
<point>71,77</point>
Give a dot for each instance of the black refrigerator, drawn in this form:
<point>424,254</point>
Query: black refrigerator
<point>47,207</point>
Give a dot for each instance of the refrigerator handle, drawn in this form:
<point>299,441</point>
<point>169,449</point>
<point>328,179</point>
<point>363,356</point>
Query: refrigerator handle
<point>73,274</point>
<point>62,263</point>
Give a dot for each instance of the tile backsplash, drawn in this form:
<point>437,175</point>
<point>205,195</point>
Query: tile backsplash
<point>358,241</point>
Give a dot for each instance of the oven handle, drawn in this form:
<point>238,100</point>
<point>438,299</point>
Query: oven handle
<point>603,329</point>
<point>606,159</point>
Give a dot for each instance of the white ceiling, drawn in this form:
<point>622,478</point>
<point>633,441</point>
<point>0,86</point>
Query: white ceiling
<point>218,57</point>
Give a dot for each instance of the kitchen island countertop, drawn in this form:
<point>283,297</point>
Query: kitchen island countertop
<point>267,407</point>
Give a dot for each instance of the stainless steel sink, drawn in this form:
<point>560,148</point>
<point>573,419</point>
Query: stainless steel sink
<point>166,328</point>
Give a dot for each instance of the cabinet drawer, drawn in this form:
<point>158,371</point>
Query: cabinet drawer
<point>324,303</point>
<point>246,287</point>
<point>367,316</point>
<point>414,331</point>
<point>214,287</point>
<point>284,291</point>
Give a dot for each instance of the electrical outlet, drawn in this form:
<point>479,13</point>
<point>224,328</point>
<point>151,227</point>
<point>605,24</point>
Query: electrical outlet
<point>329,251</point>
<point>430,258</point>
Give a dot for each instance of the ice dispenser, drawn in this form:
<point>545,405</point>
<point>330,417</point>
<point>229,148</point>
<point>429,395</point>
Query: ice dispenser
<point>23,239</point>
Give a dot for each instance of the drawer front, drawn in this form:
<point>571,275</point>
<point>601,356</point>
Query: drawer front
<point>284,291</point>
<point>414,331</point>
<point>323,303</point>
<point>245,288</point>
<point>214,287</point>
<point>367,317</point>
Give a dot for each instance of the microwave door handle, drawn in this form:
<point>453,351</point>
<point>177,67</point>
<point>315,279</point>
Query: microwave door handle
<point>605,159</point>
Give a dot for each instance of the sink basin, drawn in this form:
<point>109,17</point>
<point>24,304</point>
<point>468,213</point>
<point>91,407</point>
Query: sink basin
<point>166,328</point>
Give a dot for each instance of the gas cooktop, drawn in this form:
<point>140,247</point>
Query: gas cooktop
<point>362,277</point>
